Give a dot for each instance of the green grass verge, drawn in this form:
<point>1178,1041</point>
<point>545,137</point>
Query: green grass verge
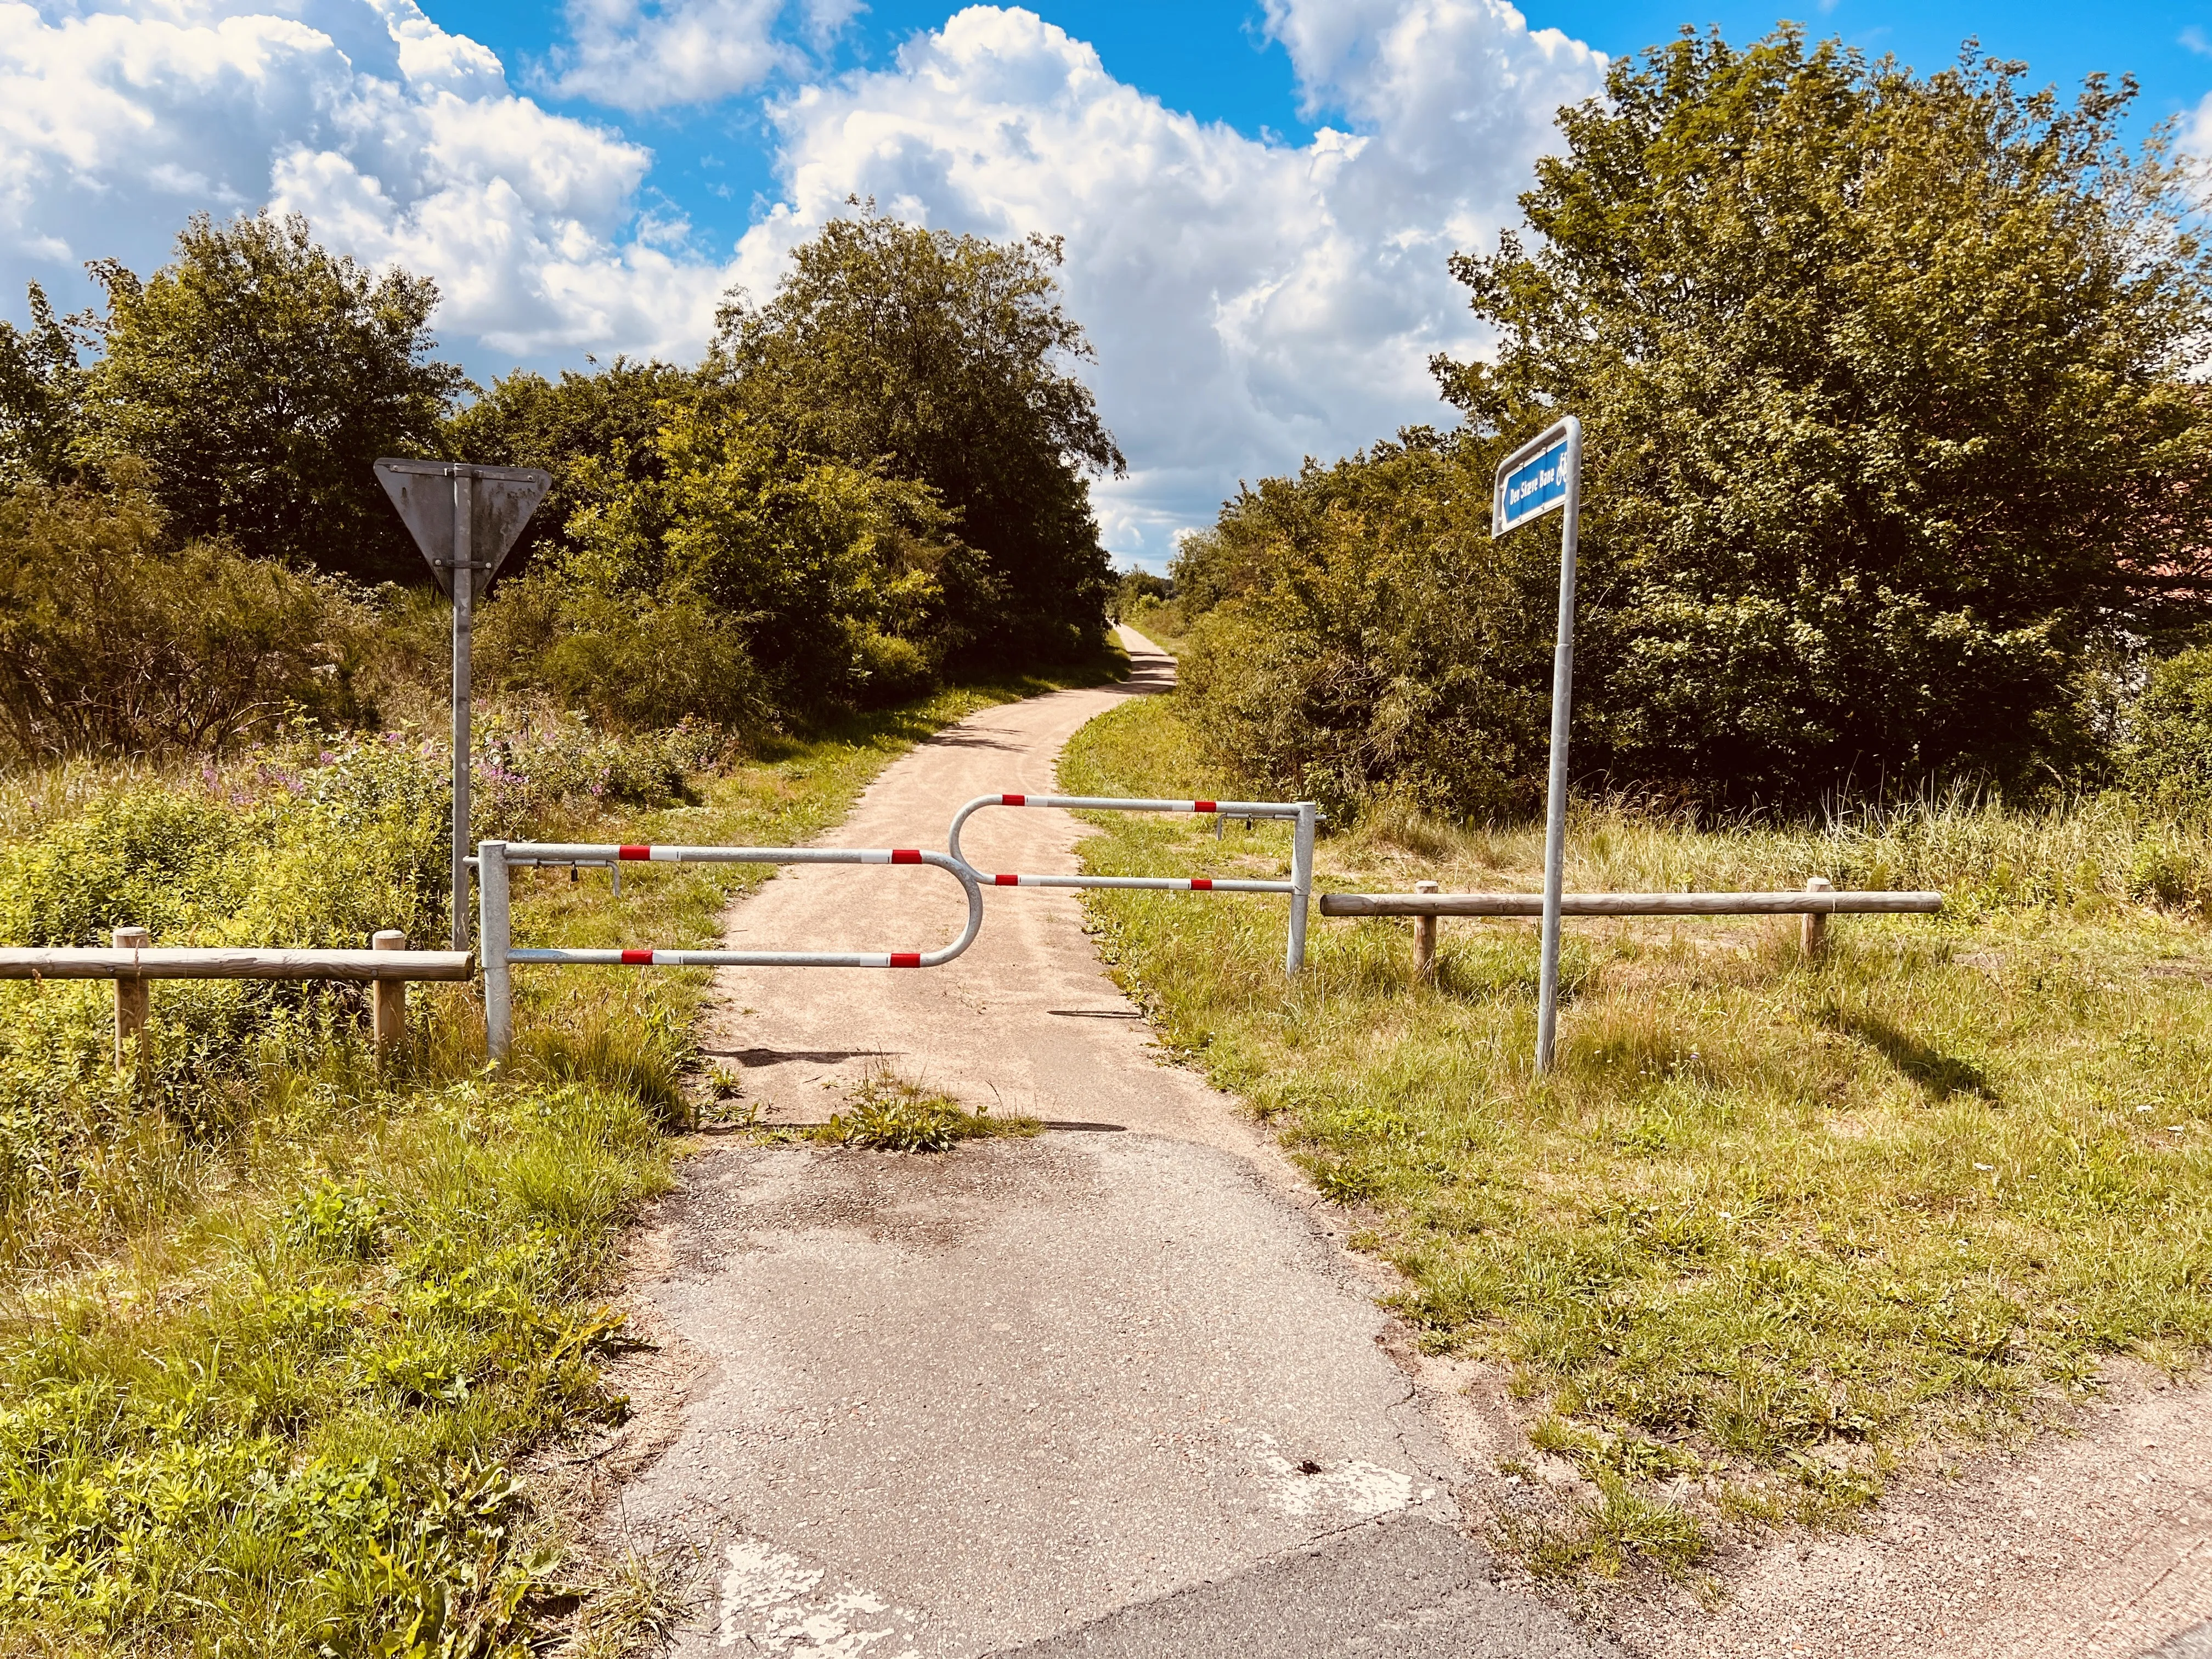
<point>1772,1226</point>
<point>279,1323</point>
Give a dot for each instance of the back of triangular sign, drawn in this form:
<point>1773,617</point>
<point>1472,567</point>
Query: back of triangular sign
<point>504,497</point>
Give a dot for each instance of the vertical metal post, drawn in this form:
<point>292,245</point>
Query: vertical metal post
<point>1302,857</point>
<point>134,998</point>
<point>387,999</point>
<point>492,927</point>
<point>1555,794</point>
<point>464,608</point>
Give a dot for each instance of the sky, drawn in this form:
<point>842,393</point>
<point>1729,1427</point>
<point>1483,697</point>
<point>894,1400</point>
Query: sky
<point>1257,196</point>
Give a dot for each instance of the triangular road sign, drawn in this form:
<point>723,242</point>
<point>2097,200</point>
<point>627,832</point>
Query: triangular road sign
<point>504,499</point>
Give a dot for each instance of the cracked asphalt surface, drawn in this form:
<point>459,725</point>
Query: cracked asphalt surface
<point>1113,1390</point>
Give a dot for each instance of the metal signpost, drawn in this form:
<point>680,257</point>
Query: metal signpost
<point>465,520</point>
<point>1544,473</point>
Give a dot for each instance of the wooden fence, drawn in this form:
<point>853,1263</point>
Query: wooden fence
<point>133,964</point>
<point>1816,904</point>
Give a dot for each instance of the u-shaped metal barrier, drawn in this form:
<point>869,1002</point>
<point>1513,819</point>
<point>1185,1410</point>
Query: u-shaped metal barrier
<point>1302,815</point>
<point>495,859</point>
<point>495,927</point>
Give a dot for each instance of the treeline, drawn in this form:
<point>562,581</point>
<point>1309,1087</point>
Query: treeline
<point>874,481</point>
<point>1899,468</point>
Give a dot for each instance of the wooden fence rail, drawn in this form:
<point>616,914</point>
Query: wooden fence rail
<point>133,964</point>
<point>1816,904</point>
<point>1630,904</point>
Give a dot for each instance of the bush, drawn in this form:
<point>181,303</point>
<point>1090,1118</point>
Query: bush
<point>1367,636</point>
<point>2169,752</point>
<point>111,643</point>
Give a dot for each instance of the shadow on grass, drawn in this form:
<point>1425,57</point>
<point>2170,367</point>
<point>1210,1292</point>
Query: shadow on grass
<point>1941,1074</point>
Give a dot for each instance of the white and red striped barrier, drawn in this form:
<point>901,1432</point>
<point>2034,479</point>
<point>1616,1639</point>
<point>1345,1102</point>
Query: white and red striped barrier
<point>1301,815</point>
<point>495,859</point>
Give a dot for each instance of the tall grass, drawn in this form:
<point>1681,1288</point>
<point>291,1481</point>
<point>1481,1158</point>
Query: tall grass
<point>1773,1226</point>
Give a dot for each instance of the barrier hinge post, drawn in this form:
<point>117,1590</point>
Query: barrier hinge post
<point>492,933</point>
<point>1302,860</point>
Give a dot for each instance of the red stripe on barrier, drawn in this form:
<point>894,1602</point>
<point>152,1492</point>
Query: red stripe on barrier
<point>1013,800</point>
<point>1202,884</point>
<point>634,852</point>
<point>1006,881</point>
<point>906,958</point>
<point>905,855</point>
<point>637,958</point>
<point>1202,807</point>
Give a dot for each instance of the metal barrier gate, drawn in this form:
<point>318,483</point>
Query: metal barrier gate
<point>495,859</point>
<point>495,926</point>
<point>1302,815</point>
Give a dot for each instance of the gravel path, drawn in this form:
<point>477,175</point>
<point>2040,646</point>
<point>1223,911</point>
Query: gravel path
<point>1110,1391</point>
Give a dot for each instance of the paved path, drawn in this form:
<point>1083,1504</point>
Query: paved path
<point>1110,1391</point>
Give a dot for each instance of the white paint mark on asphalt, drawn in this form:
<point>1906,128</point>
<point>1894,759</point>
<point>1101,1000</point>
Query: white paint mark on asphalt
<point>1353,1487</point>
<point>769,1605</point>
<point>760,1575</point>
<point>1356,1487</point>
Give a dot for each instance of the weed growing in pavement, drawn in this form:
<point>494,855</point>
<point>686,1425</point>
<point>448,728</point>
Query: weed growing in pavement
<point>891,1113</point>
<point>1772,1226</point>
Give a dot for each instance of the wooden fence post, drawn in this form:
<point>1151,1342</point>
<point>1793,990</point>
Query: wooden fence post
<point>388,997</point>
<point>1425,940</point>
<point>1815,935</point>
<point>133,997</point>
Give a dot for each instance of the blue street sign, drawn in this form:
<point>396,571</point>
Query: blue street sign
<point>1537,485</point>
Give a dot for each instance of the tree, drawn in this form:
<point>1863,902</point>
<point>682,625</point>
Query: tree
<point>810,585</point>
<point>946,359</point>
<point>1893,446</point>
<point>116,641</point>
<point>260,378</point>
<point>596,433</point>
<point>41,395</point>
<point>1362,636</point>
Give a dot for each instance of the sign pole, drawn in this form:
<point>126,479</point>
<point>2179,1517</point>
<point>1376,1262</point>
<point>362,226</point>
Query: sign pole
<point>1541,475</point>
<point>464,583</point>
<point>1555,791</point>
<point>465,520</point>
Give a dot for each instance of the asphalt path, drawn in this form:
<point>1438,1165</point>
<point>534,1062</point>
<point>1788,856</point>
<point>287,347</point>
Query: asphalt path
<point>1113,1390</point>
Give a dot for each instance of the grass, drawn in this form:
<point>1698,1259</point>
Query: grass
<point>891,1113</point>
<point>1161,623</point>
<point>1774,1227</point>
<point>283,1326</point>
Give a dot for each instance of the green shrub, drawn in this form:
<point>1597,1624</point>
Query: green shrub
<point>2169,753</point>
<point>112,643</point>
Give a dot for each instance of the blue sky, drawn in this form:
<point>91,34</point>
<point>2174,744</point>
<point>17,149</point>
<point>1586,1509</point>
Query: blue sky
<point>1258,197</point>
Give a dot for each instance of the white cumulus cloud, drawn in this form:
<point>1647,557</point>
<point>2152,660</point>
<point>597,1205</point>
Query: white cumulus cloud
<point>639,57</point>
<point>1251,301</point>
<point>400,141</point>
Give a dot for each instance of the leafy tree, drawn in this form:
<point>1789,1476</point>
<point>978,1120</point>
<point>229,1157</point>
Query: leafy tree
<point>41,394</point>
<point>1892,442</point>
<point>1134,587</point>
<point>946,359</point>
<point>594,433</point>
<point>812,584</point>
<point>260,377</point>
<point>1362,636</point>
